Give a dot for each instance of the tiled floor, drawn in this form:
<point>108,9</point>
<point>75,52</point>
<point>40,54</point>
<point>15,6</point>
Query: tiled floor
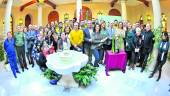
<point>132,83</point>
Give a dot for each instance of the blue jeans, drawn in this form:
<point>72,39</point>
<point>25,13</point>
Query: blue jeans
<point>97,55</point>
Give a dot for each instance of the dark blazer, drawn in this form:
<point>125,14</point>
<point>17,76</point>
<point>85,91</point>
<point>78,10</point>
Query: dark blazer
<point>148,40</point>
<point>163,51</point>
<point>86,37</point>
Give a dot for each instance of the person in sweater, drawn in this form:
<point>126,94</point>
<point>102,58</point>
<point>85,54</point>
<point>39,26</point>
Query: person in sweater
<point>76,38</point>
<point>97,42</point>
<point>138,44</point>
<point>104,32</point>
<point>162,55</point>
<point>9,47</point>
<point>129,44</point>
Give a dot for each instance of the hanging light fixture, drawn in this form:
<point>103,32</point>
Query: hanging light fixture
<point>148,18</point>
<point>20,21</point>
<point>41,1</point>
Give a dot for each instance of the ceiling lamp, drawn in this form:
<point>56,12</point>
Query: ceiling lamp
<point>41,1</point>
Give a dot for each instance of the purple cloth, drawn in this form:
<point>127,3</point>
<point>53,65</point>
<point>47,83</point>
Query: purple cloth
<point>115,61</point>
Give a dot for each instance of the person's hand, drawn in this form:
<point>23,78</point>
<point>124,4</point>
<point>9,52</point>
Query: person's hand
<point>78,49</point>
<point>90,40</point>
<point>136,49</point>
<point>102,40</point>
<point>75,46</point>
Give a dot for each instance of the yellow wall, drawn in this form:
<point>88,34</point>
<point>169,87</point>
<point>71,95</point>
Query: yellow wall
<point>70,9</point>
<point>133,12</point>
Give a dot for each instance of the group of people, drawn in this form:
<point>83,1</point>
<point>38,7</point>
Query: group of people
<point>89,37</point>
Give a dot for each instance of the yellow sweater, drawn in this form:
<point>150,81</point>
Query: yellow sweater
<point>76,37</point>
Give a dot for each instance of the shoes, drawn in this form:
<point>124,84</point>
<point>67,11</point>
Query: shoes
<point>18,72</point>
<point>15,76</point>
<point>96,65</point>
<point>26,68</point>
<point>42,69</point>
<point>32,65</point>
<point>150,76</point>
<point>22,69</point>
<point>129,68</point>
<point>101,62</point>
<point>157,80</point>
<point>142,70</point>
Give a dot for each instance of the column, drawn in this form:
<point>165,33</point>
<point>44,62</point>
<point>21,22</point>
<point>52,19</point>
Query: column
<point>124,11</point>
<point>157,23</point>
<point>156,13</point>
<point>8,15</point>
<point>79,9</point>
<point>39,15</point>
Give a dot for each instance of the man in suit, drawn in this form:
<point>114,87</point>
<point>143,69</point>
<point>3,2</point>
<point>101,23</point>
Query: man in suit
<point>110,33</point>
<point>148,43</point>
<point>87,41</point>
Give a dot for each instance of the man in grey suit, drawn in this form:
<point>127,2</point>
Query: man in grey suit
<point>87,41</point>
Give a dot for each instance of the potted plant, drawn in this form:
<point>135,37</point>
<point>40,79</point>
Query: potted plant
<point>85,76</point>
<point>1,52</point>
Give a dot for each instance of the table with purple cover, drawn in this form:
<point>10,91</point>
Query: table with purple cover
<point>115,61</point>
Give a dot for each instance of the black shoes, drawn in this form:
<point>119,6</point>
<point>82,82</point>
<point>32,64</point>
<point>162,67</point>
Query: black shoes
<point>18,72</point>
<point>150,76</point>
<point>142,70</point>
<point>32,65</point>
<point>43,69</point>
<point>96,65</point>
<point>22,69</point>
<point>26,68</point>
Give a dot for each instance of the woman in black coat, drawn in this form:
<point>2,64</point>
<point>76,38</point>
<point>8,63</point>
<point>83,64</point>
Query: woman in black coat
<point>162,55</point>
<point>138,43</point>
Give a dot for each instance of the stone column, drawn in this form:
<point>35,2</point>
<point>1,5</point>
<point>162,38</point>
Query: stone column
<point>39,15</point>
<point>156,13</point>
<point>79,9</point>
<point>8,15</point>
<point>124,11</point>
<point>157,23</point>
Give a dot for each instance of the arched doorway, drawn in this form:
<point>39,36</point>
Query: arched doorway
<point>114,12</point>
<point>28,20</point>
<point>53,16</point>
<point>85,11</point>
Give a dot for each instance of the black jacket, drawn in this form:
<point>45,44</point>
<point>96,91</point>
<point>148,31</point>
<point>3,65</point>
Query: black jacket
<point>148,41</point>
<point>163,51</point>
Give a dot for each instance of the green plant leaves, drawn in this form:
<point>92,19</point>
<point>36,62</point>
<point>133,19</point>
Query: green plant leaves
<point>85,75</point>
<point>49,74</point>
<point>1,52</point>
